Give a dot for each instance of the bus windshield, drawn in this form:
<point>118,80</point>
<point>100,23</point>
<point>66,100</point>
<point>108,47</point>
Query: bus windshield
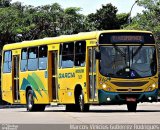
<point>128,61</point>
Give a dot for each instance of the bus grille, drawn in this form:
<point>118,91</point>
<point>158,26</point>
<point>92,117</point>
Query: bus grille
<point>129,84</point>
<point>126,90</point>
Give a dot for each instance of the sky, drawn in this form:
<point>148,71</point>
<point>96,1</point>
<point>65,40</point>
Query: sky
<point>89,6</point>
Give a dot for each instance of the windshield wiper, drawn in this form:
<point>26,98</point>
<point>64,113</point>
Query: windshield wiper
<point>119,50</point>
<point>136,52</point>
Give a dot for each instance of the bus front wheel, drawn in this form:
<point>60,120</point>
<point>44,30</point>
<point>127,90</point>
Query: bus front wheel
<point>81,106</point>
<point>132,107</point>
<point>70,107</point>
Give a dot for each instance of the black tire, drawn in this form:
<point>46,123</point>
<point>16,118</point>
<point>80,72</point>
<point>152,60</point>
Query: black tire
<point>30,103</point>
<point>40,107</point>
<point>70,107</point>
<point>132,107</point>
<point>80,105</point>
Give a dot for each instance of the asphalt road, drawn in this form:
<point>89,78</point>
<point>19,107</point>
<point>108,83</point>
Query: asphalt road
<point>147,113</point>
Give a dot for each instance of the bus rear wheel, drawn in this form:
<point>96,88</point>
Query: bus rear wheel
<point>30,103</point>
<point>132,107</point>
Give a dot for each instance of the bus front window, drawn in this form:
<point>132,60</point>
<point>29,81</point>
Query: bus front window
<point>128,61</point>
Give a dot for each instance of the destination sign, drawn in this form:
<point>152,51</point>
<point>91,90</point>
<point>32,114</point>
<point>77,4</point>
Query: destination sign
<point>126,37</point>
<point>123,39</point>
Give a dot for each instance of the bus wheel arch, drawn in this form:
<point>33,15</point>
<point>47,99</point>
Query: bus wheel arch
<point>79,99</point>
<point>31,106</point>
<point>27,89</point>
<point>78,89</point>
<point>74,107</point>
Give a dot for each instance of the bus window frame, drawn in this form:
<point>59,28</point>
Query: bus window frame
<point>43,57</point>
<point>33,58</point>
<point>84,64</point>
<point>61,54</point>
<point>24,59</point>
<point>74,54</point>
<point>7,61</point>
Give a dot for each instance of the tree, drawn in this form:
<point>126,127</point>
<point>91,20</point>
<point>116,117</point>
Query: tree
<point>122,19</point>
<point>9,24</point>
<point>107,18</point>
<point>5,3</point>
<point>149,19</point>
<point>73,20</point>
<point>25,22</point>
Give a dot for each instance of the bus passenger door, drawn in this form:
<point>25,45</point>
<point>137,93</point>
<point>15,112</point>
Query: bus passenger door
<point>53,78</point>
<point>92,75</point>
<point>15,75</point>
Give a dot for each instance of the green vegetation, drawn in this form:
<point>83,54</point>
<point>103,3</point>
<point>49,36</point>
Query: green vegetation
<point>25,22</point>
<point>149,19</point>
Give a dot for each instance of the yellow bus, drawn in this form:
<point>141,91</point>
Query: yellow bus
<point>90,68</point>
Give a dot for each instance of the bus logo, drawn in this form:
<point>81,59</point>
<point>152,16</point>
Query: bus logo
<point>129,90</point>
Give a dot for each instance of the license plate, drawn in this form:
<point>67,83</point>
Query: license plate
<point>131,99</point>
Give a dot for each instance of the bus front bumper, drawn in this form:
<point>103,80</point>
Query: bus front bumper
<point>120,98</point>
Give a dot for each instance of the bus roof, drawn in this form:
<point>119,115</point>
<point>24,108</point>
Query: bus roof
<point>64,38</point>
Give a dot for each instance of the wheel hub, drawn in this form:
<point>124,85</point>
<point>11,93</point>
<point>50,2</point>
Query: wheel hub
<point>81,102</point>
<point>30,101</point>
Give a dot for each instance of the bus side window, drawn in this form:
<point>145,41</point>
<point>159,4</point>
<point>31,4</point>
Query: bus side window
<point>24,59</point>
<point>80,51</point>
<point>43,57</point>
<point>33,58</point>
<point>68,55</point>
<point>7,64</point>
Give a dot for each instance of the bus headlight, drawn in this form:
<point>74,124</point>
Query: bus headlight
<point>104,86</point>
<point>153,85</point>
<point>151,88</point>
